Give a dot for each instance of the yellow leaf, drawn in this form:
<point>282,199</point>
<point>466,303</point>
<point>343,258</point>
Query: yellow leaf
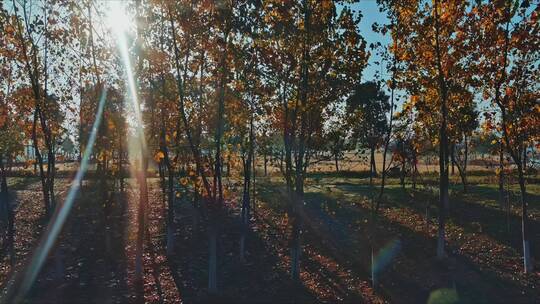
<point>159,156</point>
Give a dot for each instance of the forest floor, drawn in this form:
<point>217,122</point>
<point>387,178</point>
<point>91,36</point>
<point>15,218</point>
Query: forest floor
<point>94,259</point>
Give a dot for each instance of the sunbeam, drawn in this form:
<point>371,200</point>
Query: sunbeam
<point>119,22</point>
<point>140,148</point>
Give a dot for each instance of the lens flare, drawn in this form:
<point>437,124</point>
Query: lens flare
<point>385,256</point>
<point>61,214</point>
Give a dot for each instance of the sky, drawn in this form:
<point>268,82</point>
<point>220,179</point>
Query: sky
<point>371,14</point>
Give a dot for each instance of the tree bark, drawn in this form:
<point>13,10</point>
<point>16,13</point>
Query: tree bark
<point>7,210</point>
<point>246,202</point>
<point>265,163</point>
<point>527,263</point>
<point>443,143</point>
<point>390,124</point>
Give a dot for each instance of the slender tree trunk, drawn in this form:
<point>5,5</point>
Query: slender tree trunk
<point>525,160</point>
<point>32,69</point>
<point>390,125</point>
<point>265,163</point>
<point>296,249</point>
<point>48,136</point>
<point>298,199</point>
<point>246,194</point>
<point>212,264</point>
<point>181,106</point>
<point>121,162</point>
<point>373,161</point>
<point>170,197</point>
<point>39,158</point>
<point>212,260</point>
<point>527,263</point>
<point>453,157</point>
<point>402,174</point>
<point>253,204</point>
<point>7,210</point>
<point>501,174</point>
<point>443,143</point>
<point>143,184</point>
<point>414,168</point>
<point>462,168</point>
<point>372,165</point>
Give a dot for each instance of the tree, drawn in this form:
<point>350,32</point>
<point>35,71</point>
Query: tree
<point>460,133</point>
<point>368,107</point>
<point>337,143</point>
<point>307,46</point>
<point>431,49</point>
<point>506,58</point>
<point>40,59</point>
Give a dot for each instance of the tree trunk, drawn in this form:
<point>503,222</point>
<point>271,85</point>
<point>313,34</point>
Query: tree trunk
<point>7,211</point>
<point>501,174</point>
<point>296,250</point>
<point>453,157</point>
<point>246,202</point>
<point>527,263</point>
<point>39,157</point>
<point>390,124</point>
<point>253,200</point>
<point>371,167</point>
<point>121,163</point>
<point>414,169</point>
<point>525,160</point>
<point>462,168</point>
<point>336,162</point>
<point>141,217</point>
<point>265,163</point>
<point>402,174</point>
<point>443,143</point>
<point>245,209</point>
<point>212,259</point>
<point>373,162</point>
<point>34,76</point>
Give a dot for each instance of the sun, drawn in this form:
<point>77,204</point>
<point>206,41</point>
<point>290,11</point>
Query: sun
<point>118,19</point>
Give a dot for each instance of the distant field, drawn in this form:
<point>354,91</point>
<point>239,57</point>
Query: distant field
<point>353,162</point>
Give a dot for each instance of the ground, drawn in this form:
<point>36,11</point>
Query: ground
<point>93,260</point>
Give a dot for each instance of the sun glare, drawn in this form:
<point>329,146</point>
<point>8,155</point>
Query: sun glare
<point>117,17</point>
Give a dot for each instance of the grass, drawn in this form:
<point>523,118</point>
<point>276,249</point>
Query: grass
<point>484,262</point>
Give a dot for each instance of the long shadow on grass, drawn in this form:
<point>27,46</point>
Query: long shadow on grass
<point>466,211</point>
<point>329,238</point>
<point>257,280</point>
<point>414,273</point>
<point>88,264</point>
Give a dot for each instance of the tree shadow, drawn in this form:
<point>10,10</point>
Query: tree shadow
<point>88,262</point>
<point>476,212</point>
<point>418,249</point>
<point>414,272</point>
<point>258,279</point>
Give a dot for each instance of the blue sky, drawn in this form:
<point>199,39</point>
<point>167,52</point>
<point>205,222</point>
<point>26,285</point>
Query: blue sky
<point>371,14</point>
